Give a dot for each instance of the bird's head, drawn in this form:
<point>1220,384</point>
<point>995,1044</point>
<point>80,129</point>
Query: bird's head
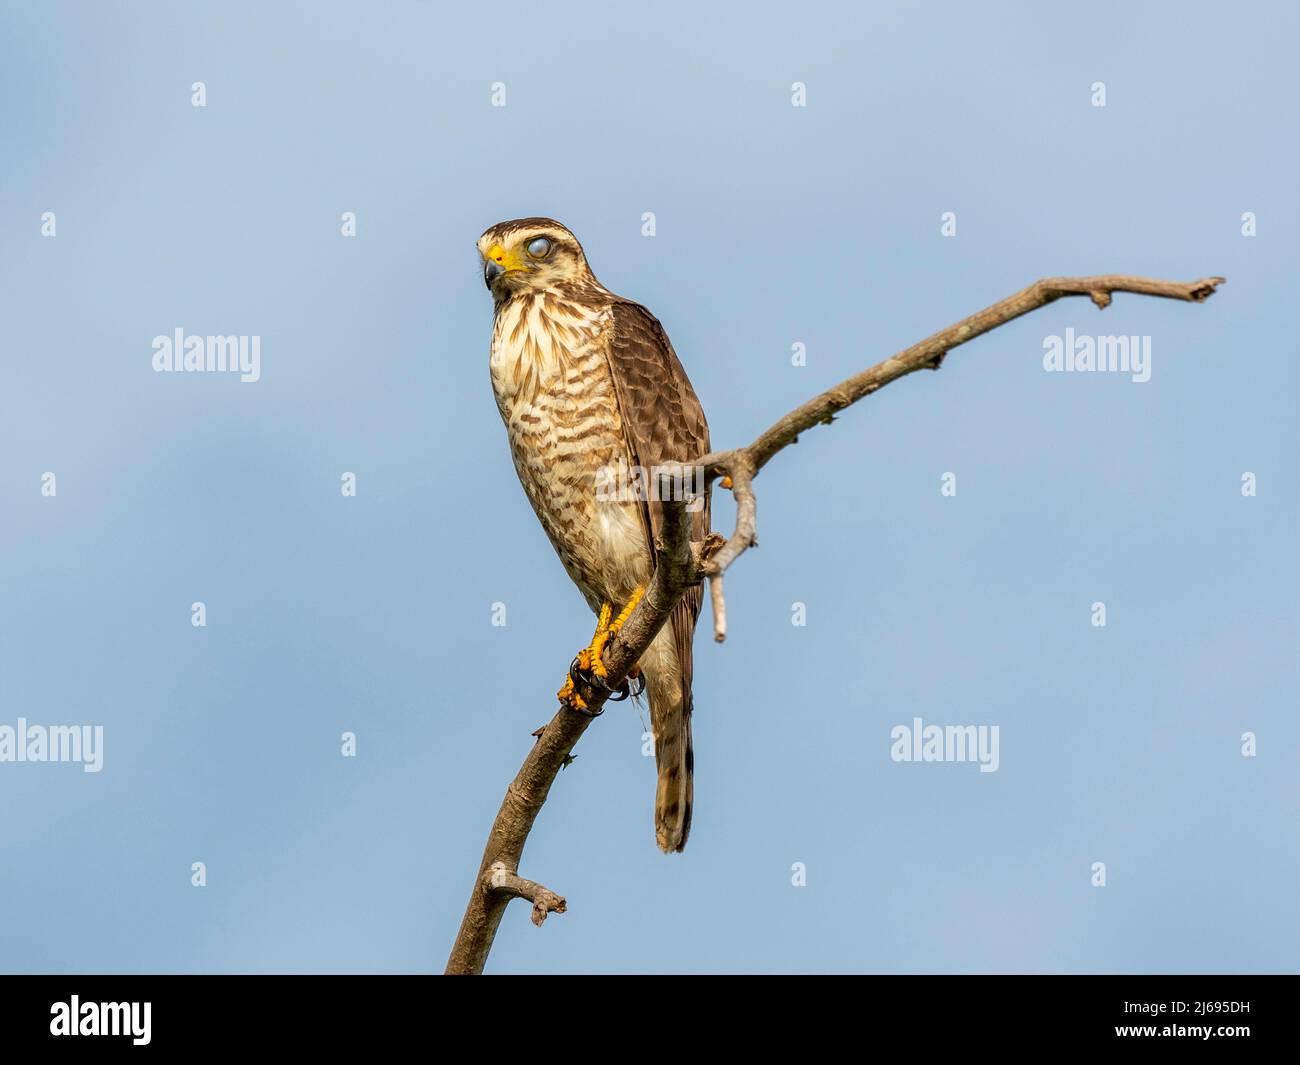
<point>530,254</point>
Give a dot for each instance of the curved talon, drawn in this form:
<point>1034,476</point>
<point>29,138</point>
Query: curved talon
<point>579,674</point>
<point>584,710</point>
<point>583,671</point>
<point>632,686</point>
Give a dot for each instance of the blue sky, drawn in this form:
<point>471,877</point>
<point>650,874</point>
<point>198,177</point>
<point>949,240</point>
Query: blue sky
<point>775,225</point>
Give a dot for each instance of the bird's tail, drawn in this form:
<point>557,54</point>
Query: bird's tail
<point>670,719</point>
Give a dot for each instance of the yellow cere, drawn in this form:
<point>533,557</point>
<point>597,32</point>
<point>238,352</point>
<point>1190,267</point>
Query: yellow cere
<point>509,259</point>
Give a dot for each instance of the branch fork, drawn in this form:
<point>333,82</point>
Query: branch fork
<point>500,878</point>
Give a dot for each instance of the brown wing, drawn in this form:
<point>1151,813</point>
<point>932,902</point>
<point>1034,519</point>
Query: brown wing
<point>662,422</point>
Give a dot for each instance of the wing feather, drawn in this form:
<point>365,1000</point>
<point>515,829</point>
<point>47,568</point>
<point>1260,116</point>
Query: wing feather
<point>662,422</point>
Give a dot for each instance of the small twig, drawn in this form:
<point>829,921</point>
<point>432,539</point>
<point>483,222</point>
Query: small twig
<point>719,608</point>
<point>502,879</point>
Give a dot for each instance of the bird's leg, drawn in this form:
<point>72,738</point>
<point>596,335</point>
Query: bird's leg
<point>587,665</point>
<point>589,657</point>
<point>634,674</point>
<point>589,668</point>
<point>626,613</point>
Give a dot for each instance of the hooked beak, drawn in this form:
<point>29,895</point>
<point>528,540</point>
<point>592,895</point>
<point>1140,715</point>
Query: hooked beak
<point>497,262</point>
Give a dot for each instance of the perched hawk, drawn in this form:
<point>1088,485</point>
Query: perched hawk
<point>586,381</point>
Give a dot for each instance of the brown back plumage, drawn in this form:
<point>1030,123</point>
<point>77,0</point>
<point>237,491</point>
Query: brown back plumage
<point>663,422</point>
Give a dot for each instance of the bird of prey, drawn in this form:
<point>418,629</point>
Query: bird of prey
<point>585,381</point>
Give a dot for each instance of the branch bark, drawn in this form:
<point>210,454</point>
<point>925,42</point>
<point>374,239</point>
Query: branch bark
<point>678,568</point>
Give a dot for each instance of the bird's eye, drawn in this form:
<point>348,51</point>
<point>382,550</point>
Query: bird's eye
<point>539,248</point>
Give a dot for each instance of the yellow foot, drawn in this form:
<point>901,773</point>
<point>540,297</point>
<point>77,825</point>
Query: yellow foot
<point>568,695</point>
<point>589,658</point>
<point>588,661</point>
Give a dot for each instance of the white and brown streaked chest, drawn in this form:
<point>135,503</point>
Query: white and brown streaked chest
<point>553,386</point>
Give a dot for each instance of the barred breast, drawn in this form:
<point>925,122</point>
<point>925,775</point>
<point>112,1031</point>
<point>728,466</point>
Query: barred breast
<point>553,387</point>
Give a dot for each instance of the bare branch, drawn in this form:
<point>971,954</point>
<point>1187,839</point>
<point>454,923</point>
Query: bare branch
<point>743,464</point>
<point>678,569</point>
